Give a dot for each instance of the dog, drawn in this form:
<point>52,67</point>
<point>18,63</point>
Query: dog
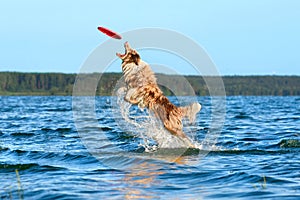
<point>142,90</point>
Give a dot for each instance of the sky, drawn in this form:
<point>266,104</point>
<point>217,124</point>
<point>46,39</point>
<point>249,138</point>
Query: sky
<point>250,37</point>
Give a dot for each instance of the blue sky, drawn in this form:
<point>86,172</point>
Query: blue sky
<point>254,37</point>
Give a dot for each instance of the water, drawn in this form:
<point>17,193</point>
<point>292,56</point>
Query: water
<point>256,155</point>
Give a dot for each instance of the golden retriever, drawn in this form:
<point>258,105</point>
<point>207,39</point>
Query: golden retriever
<point>142,89</point>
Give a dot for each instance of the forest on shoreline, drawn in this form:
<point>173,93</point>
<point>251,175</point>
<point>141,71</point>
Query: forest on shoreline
<point>19,83</point>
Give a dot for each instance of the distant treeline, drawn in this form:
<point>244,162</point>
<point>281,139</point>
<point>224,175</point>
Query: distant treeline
<point>16,83</point>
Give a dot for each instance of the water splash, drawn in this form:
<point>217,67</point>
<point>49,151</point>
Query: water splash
<point>142,124</point>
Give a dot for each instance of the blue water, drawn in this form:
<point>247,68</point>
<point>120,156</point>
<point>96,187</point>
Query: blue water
<point>257,154</point>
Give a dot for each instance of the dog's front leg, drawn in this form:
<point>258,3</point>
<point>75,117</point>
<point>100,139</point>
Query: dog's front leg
<point>130,96</point>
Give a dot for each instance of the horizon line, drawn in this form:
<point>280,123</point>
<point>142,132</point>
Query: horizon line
<point>28,72</point>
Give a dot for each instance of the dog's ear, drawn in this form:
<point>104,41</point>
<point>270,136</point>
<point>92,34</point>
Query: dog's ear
<point>135,58</point>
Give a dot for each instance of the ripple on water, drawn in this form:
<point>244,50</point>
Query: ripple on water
<point>256,155</point>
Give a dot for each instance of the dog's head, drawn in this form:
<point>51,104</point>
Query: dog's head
<point>130,55</point>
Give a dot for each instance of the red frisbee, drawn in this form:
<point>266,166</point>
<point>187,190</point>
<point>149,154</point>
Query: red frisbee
<point>109,33</point>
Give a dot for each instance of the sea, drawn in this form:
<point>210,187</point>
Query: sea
<point>61,147</point>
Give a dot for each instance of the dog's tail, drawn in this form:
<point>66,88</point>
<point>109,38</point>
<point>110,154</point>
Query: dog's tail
<point>190,111</point>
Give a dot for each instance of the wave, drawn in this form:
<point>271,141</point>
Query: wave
<point>242,116</point>
<point>196,151</point>
<point>22,134</point>
<point>44,155</point>
<point>289,143</point>
<point>58,109</point>
<point>57,129</point>
<point>13,167</point>
<point>28,166</point>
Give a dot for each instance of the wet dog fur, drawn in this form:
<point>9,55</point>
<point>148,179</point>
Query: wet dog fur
<point>142,89</point>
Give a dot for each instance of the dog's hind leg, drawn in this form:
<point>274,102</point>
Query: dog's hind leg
<point>179,133</point>
<point>174,130</point>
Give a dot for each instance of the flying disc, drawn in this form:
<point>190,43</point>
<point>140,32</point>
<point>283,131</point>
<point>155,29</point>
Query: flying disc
<point>110,33</point>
